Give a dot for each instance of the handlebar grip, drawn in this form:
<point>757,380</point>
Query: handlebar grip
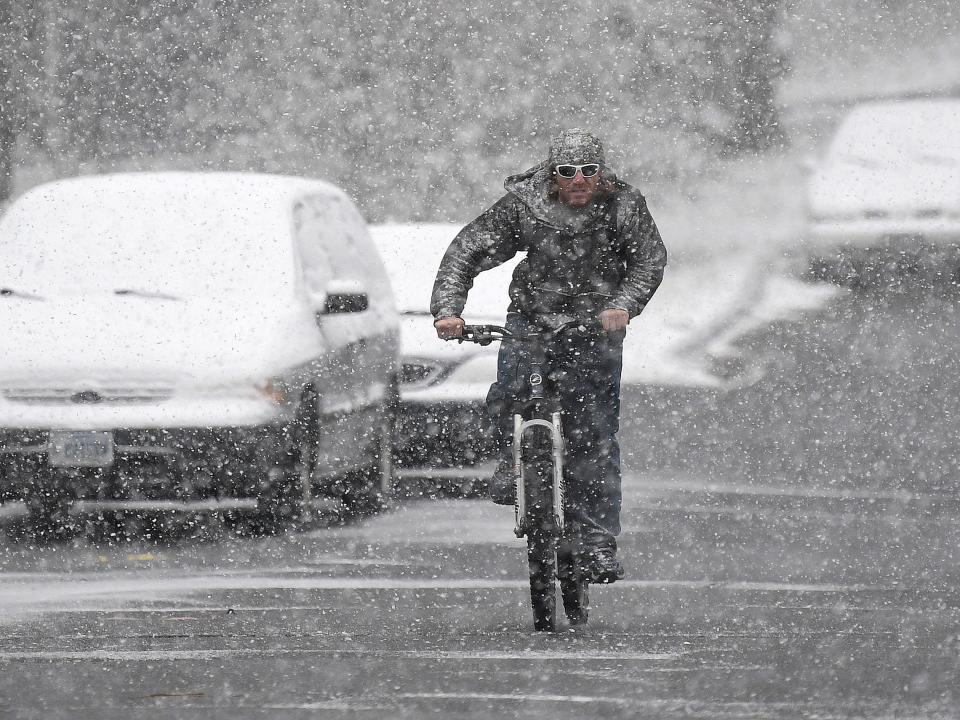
<point>481,334</point>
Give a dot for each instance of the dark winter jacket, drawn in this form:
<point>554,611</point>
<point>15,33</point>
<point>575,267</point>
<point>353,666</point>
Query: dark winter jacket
<point>609,255</point>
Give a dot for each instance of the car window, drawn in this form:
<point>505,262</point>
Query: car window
<point>312,242</point>
<point>334,243</point>
<point>175,243</point>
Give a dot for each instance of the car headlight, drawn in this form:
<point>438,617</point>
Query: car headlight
<point>826,217</point>
<point>422,373</point>
<point>416,371</point>
<point>273,390</point>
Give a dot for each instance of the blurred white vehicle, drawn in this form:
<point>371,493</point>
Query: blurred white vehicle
<point>889,184</point>
<point>208,339</point>
<point>443,385</point>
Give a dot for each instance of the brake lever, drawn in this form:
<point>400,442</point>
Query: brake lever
<point>461,339</point>
<point>476,338</point>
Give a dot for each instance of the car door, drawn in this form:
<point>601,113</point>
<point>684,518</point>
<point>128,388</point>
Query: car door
<point>351,300</point>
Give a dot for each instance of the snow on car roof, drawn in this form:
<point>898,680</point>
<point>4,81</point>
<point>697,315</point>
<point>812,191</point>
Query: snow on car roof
<point>175,232</point>
<point>890,129</point>
<point>190,188</point>
<point>412,252</point>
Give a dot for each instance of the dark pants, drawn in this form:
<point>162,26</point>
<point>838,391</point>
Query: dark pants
<point>586,372</point>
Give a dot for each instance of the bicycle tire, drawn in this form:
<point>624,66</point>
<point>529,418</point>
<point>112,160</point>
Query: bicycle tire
<point>541,545</point>
<point>543,593</point>
<point>573,582</point>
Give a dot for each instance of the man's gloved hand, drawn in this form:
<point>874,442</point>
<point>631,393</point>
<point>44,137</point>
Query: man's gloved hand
<point>614,319</point>
<point>449,327</point>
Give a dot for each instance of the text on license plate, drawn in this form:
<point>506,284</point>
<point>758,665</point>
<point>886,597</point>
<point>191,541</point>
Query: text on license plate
<point>80,448</point>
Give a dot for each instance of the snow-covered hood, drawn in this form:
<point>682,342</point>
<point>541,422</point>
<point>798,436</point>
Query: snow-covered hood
<point>419,339</point>
<point>847,187</point>
<point>98,341</point>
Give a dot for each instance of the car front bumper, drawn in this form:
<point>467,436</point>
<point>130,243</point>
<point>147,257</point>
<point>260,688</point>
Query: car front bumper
<point>149,465</point>
<point>444,433</point>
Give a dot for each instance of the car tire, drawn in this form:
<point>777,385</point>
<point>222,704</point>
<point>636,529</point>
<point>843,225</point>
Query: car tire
<point>373,488</point>
<point>285,463</point>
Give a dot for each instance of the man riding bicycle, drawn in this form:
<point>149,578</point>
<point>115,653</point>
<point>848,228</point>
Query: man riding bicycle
<point>593,253</point>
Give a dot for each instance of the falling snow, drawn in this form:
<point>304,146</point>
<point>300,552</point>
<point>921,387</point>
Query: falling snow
<point>240,475</point>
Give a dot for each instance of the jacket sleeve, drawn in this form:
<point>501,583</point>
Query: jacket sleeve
<point>644,255</point>
<point>489,241</point>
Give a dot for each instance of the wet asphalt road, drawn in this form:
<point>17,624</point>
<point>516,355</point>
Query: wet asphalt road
<point>791,550</point>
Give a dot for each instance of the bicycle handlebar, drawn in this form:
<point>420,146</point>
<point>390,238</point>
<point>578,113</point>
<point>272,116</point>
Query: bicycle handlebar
<point>486,334</point>
<point>482,334</point>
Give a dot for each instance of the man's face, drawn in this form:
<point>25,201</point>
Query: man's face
<point>577,191</point>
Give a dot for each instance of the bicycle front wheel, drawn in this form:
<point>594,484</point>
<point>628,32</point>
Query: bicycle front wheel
<point>573,581</point>
<point>542,558</point>
<point>541,545</point>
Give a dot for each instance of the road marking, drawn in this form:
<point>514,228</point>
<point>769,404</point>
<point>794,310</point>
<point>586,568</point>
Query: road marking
<point>533,655</point>
<point>135,655</point>
<point>68,588</point>
<point>362,703</point>
<point>19,600</point>
<point>516,697</point>
<point>632,484</point>
<point>185,654</point>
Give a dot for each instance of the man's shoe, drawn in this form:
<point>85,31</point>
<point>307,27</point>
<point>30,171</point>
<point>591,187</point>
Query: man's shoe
<point>601,565</point>
<point>503,485</point>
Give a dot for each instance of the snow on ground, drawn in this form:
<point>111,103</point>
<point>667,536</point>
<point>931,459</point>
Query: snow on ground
<point>701,310</point>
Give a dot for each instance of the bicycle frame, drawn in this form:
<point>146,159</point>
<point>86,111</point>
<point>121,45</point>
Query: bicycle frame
<point>520,508</point>
<point>538,394</point>
<point>544,525</point>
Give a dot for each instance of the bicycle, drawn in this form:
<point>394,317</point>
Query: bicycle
<point>554,547</point>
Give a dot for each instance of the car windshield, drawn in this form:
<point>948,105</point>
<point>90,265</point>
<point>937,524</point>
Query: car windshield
<point>166,243</point>
<point>901,135</point>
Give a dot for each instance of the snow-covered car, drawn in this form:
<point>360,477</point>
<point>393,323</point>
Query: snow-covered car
<point>221,340</point>
<point>888,186</point>
<point>443,385</point>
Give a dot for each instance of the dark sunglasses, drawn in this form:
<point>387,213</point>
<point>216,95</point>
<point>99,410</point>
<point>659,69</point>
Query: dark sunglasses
<point>570,171</point>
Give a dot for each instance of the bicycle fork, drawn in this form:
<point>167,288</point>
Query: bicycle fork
<point>521,426</point>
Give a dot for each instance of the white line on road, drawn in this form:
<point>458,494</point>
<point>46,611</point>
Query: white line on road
<point>516,697</point>
<point>352,706</point>
<point>687,485</point>
<point>23,599</point>
<point>136,655</point>
<point>56,589</point>
<point>533,655</point>
<point>186,654</point>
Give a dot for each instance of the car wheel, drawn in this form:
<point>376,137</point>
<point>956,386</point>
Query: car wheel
<point>285,466</point>
<point>372,489</point>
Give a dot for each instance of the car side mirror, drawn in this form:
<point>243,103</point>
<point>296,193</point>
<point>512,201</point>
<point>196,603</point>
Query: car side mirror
<point>344,297</point>
<point>345,303</point>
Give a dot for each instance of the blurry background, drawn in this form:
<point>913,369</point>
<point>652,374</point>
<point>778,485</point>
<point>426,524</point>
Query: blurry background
<point>419,108</point>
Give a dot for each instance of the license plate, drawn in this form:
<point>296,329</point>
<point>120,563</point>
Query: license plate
<point>80,448</point>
